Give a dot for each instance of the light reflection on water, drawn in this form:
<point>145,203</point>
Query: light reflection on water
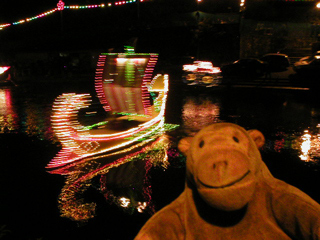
<point>8,115</point>
<point>283,122</point>
<point>309,144</point>
<point>26,111</point>
<point>305,146</point>
<point>283,118</point>
<point>290,123</point>
<point>198,113</point>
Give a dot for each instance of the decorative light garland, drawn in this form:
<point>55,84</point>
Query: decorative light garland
<point>287,0</point>
<point>61,6</point>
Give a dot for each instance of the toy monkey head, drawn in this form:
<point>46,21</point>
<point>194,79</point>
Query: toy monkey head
<point>224,164</point>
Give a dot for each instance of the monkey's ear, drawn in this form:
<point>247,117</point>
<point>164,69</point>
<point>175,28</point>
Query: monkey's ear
<point>184,145</point>
<point>257,137</point>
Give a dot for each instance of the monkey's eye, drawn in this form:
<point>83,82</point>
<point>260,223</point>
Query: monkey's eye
<point>201,144</point>
<point>235,139</point>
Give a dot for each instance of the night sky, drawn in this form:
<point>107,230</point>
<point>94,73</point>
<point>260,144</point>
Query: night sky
<point>93,28</point>
<point>102,28</point>
<point>14,10</point>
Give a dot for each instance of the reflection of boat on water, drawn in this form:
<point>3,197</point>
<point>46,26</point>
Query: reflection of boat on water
<point>135,103</point>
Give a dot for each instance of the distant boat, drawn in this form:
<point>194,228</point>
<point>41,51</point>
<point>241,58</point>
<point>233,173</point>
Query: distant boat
<point>201,73</point>
<point>134,100</point>
<point>3,69</point>
<point>5,76</point>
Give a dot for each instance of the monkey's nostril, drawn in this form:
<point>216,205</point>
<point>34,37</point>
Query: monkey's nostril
<point>235,139</point>
<point>220,165</point>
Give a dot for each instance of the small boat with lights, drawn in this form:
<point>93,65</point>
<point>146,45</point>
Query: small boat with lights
<point>134,101</point>
<point>201,73</point>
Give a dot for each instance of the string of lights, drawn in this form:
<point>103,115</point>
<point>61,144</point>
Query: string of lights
<point>61,6</point>
<point>286,1</point>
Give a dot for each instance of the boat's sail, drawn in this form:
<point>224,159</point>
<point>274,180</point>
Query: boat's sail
<point>122,80</point>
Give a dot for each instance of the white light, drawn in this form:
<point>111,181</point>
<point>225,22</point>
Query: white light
<point>201,66</point>
<point>190,68</point>
<point>141,206</point>
<point>124,202</point>
<point>132,60</point>
<point>121,60</point>
<point>305,146</point>
<point>3,69</point>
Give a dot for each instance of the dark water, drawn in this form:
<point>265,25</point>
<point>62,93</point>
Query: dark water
<point>289,119</point>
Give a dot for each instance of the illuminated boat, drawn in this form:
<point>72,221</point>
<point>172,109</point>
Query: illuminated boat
<point>201,73</point>
<point>135,103</point>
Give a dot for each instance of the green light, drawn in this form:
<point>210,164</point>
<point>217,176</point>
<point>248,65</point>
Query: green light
<point>94,125</point>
